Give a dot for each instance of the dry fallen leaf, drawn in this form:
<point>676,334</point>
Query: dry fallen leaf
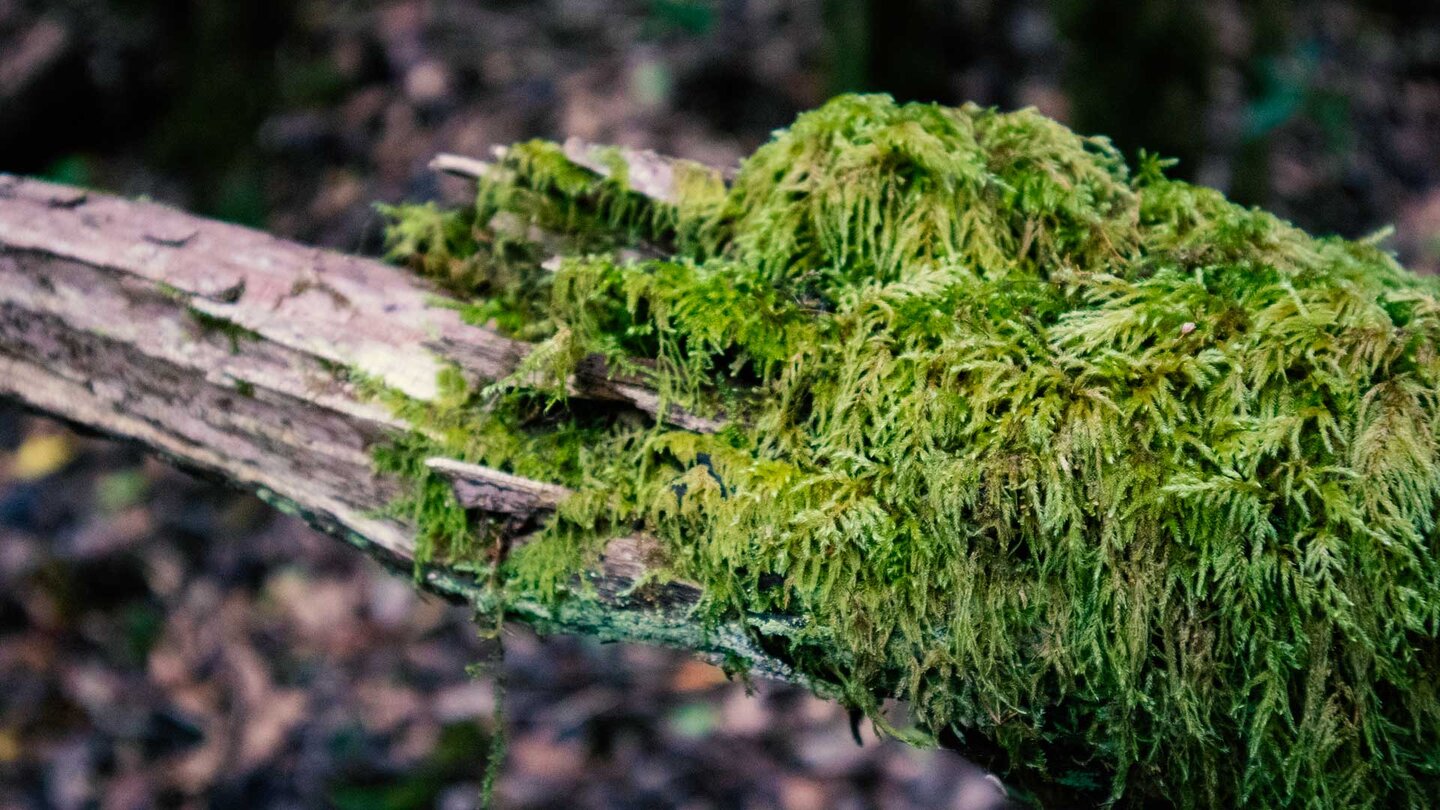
<point>41,455</point>
<point>9,746</point>
<point>695,676</point>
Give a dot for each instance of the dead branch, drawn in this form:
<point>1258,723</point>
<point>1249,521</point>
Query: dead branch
<point>232,352</point>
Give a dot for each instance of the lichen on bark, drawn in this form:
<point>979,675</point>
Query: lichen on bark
<point>1135,484</point>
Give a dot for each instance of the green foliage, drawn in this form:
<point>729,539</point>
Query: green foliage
<point>1136,485</point>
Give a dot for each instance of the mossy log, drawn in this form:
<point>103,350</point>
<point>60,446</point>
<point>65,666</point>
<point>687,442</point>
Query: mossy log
<point>1134,484</point>
<point>1129,488</point>
<point>234,353</point>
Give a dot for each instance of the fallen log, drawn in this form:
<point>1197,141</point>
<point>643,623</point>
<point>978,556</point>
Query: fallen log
<point>235,353</point>
<point>1080,461</point>
<point>1126,489</point>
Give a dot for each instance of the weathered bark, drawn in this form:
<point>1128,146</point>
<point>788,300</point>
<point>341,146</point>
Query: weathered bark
<point>230,351</point>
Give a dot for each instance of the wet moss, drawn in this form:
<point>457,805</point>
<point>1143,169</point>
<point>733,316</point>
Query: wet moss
<point>1130,483</point>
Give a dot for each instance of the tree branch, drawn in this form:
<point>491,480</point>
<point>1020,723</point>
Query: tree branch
<point>229,351</point>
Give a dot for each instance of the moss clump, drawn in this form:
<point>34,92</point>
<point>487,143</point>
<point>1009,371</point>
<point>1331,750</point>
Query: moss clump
<point>1094,468</point>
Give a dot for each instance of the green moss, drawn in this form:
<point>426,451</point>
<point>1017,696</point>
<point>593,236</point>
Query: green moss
<point>1093,468</point>
<point>225,327</point>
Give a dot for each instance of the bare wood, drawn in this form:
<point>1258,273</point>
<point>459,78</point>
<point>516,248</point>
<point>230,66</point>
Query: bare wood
<point>646,172</point>
<point>491,490</point>
<point>232,352</point>
<point>460,166</point>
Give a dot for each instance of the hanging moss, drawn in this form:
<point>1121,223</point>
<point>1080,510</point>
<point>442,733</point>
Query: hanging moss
<point>1090,467</point>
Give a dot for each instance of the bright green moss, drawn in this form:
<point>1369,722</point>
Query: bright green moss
<point>1100,470</point>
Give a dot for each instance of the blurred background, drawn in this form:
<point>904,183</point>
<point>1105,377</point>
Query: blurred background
<point>165,642</point>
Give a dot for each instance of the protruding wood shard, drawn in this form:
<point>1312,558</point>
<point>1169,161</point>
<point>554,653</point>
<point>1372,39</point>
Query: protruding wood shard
<point>491,490</point>
<point>460,166</point>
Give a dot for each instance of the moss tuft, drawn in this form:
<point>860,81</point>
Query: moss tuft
<point>1131,483</point>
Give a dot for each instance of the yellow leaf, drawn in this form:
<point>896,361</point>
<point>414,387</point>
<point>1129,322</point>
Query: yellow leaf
<point>42,455</point>
<point>9,746</point>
